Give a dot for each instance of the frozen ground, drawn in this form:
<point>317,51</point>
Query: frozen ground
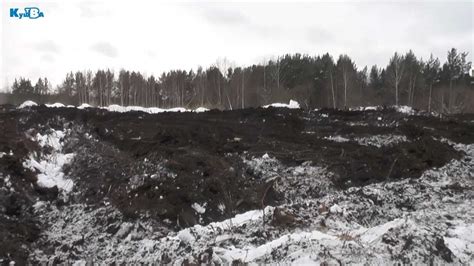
<point>49,165</point>
<point>421,220</point>
<point>279,186</point>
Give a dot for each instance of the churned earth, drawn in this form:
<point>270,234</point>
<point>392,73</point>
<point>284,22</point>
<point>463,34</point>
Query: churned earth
<point>267,185</point>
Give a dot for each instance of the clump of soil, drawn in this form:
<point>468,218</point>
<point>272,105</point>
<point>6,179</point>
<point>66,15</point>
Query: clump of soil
<point>18,192</point>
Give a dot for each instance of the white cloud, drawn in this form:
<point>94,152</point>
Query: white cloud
<point>152,36</point>
<point>47,46</point>
<point>105,48</point>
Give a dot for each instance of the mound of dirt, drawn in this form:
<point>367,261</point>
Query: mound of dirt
<point>176,170</point>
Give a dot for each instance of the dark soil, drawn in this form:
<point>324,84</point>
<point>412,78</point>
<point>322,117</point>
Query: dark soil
<point>159,165</point>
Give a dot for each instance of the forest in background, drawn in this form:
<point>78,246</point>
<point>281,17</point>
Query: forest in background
<point>314,81</point>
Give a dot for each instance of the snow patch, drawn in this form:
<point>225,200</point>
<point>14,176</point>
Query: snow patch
<point>122,109</point>
<point>39,204</point>
<point>198,208</point>
<point>337,139</point>
<point>292,105</point>
<point>27,104</point>
<point>201,109</point>
<point>381,140</point>
<point>150,110</point>
<point>49,166</point>
<point>295,181</point>
<point>5,153</point>
<point>383,223</point>
<point>84,106</point>
<point>186,236</point>
<point>335,209</point>
<point>365,108</point>
<point>373,140</point>
<point>56,105</point>
<point>460,241</point>
<point>405,109</point>
<point>370,235</point>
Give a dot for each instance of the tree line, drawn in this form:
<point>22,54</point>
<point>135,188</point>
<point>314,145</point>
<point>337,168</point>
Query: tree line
<point>314,81</point>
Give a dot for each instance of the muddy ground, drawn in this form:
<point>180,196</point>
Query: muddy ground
<point>154,167</point>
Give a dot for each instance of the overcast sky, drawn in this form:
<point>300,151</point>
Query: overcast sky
<point>152,36</point>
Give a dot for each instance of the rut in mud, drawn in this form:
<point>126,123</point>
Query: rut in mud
<point>172,171</point>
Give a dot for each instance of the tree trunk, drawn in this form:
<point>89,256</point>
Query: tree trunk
<point>413,91</point>
<point>396,93</point>
<point>332,90</point>
<point>243,91</point>
<point>450,100</point>
<point>100,91</point>
<point>202,91</point>
<point>121,92</point>
<point>429,98</point>
<point>345,89</point>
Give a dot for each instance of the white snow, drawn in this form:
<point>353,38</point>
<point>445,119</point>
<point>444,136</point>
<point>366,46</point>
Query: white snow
<point>150,110</point>
<point>201,109</point>
<point>399,108</point>
<point>39,204</point>
<point>198,208</point>
<point>335,209</point>
<point>5,153</point>
<point>49,166</point>
<point>291,105</point>
<point>7,182</point>
<point>372,140</point>
<point>55,105</point>
<point>365,108</point>
<point>404,109</point>
<point>27,104</point>
<point>123,109</point>
<point>53,140</point>
<point>370,108</point>
<point>186,236</point>
<point>381,140</point>
<point>337,139</point>
<point>371,230</point>
<point>365,225</point>
<point>221,207</point>
<point>84,106</point>
<point>370,235</point>
<point>50,171</point>
<point>460,241</point>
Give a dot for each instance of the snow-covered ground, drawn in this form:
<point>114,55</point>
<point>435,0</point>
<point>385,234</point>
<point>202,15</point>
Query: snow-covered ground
<point>27,104</point>
<point>400,108</point>
<point>49,165</point>
<point>405,109</point>
<point>381,140</point>
<point>423,220</point>
<point>337,139</point>
<point>374,140</point>
<point>426,220</point>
